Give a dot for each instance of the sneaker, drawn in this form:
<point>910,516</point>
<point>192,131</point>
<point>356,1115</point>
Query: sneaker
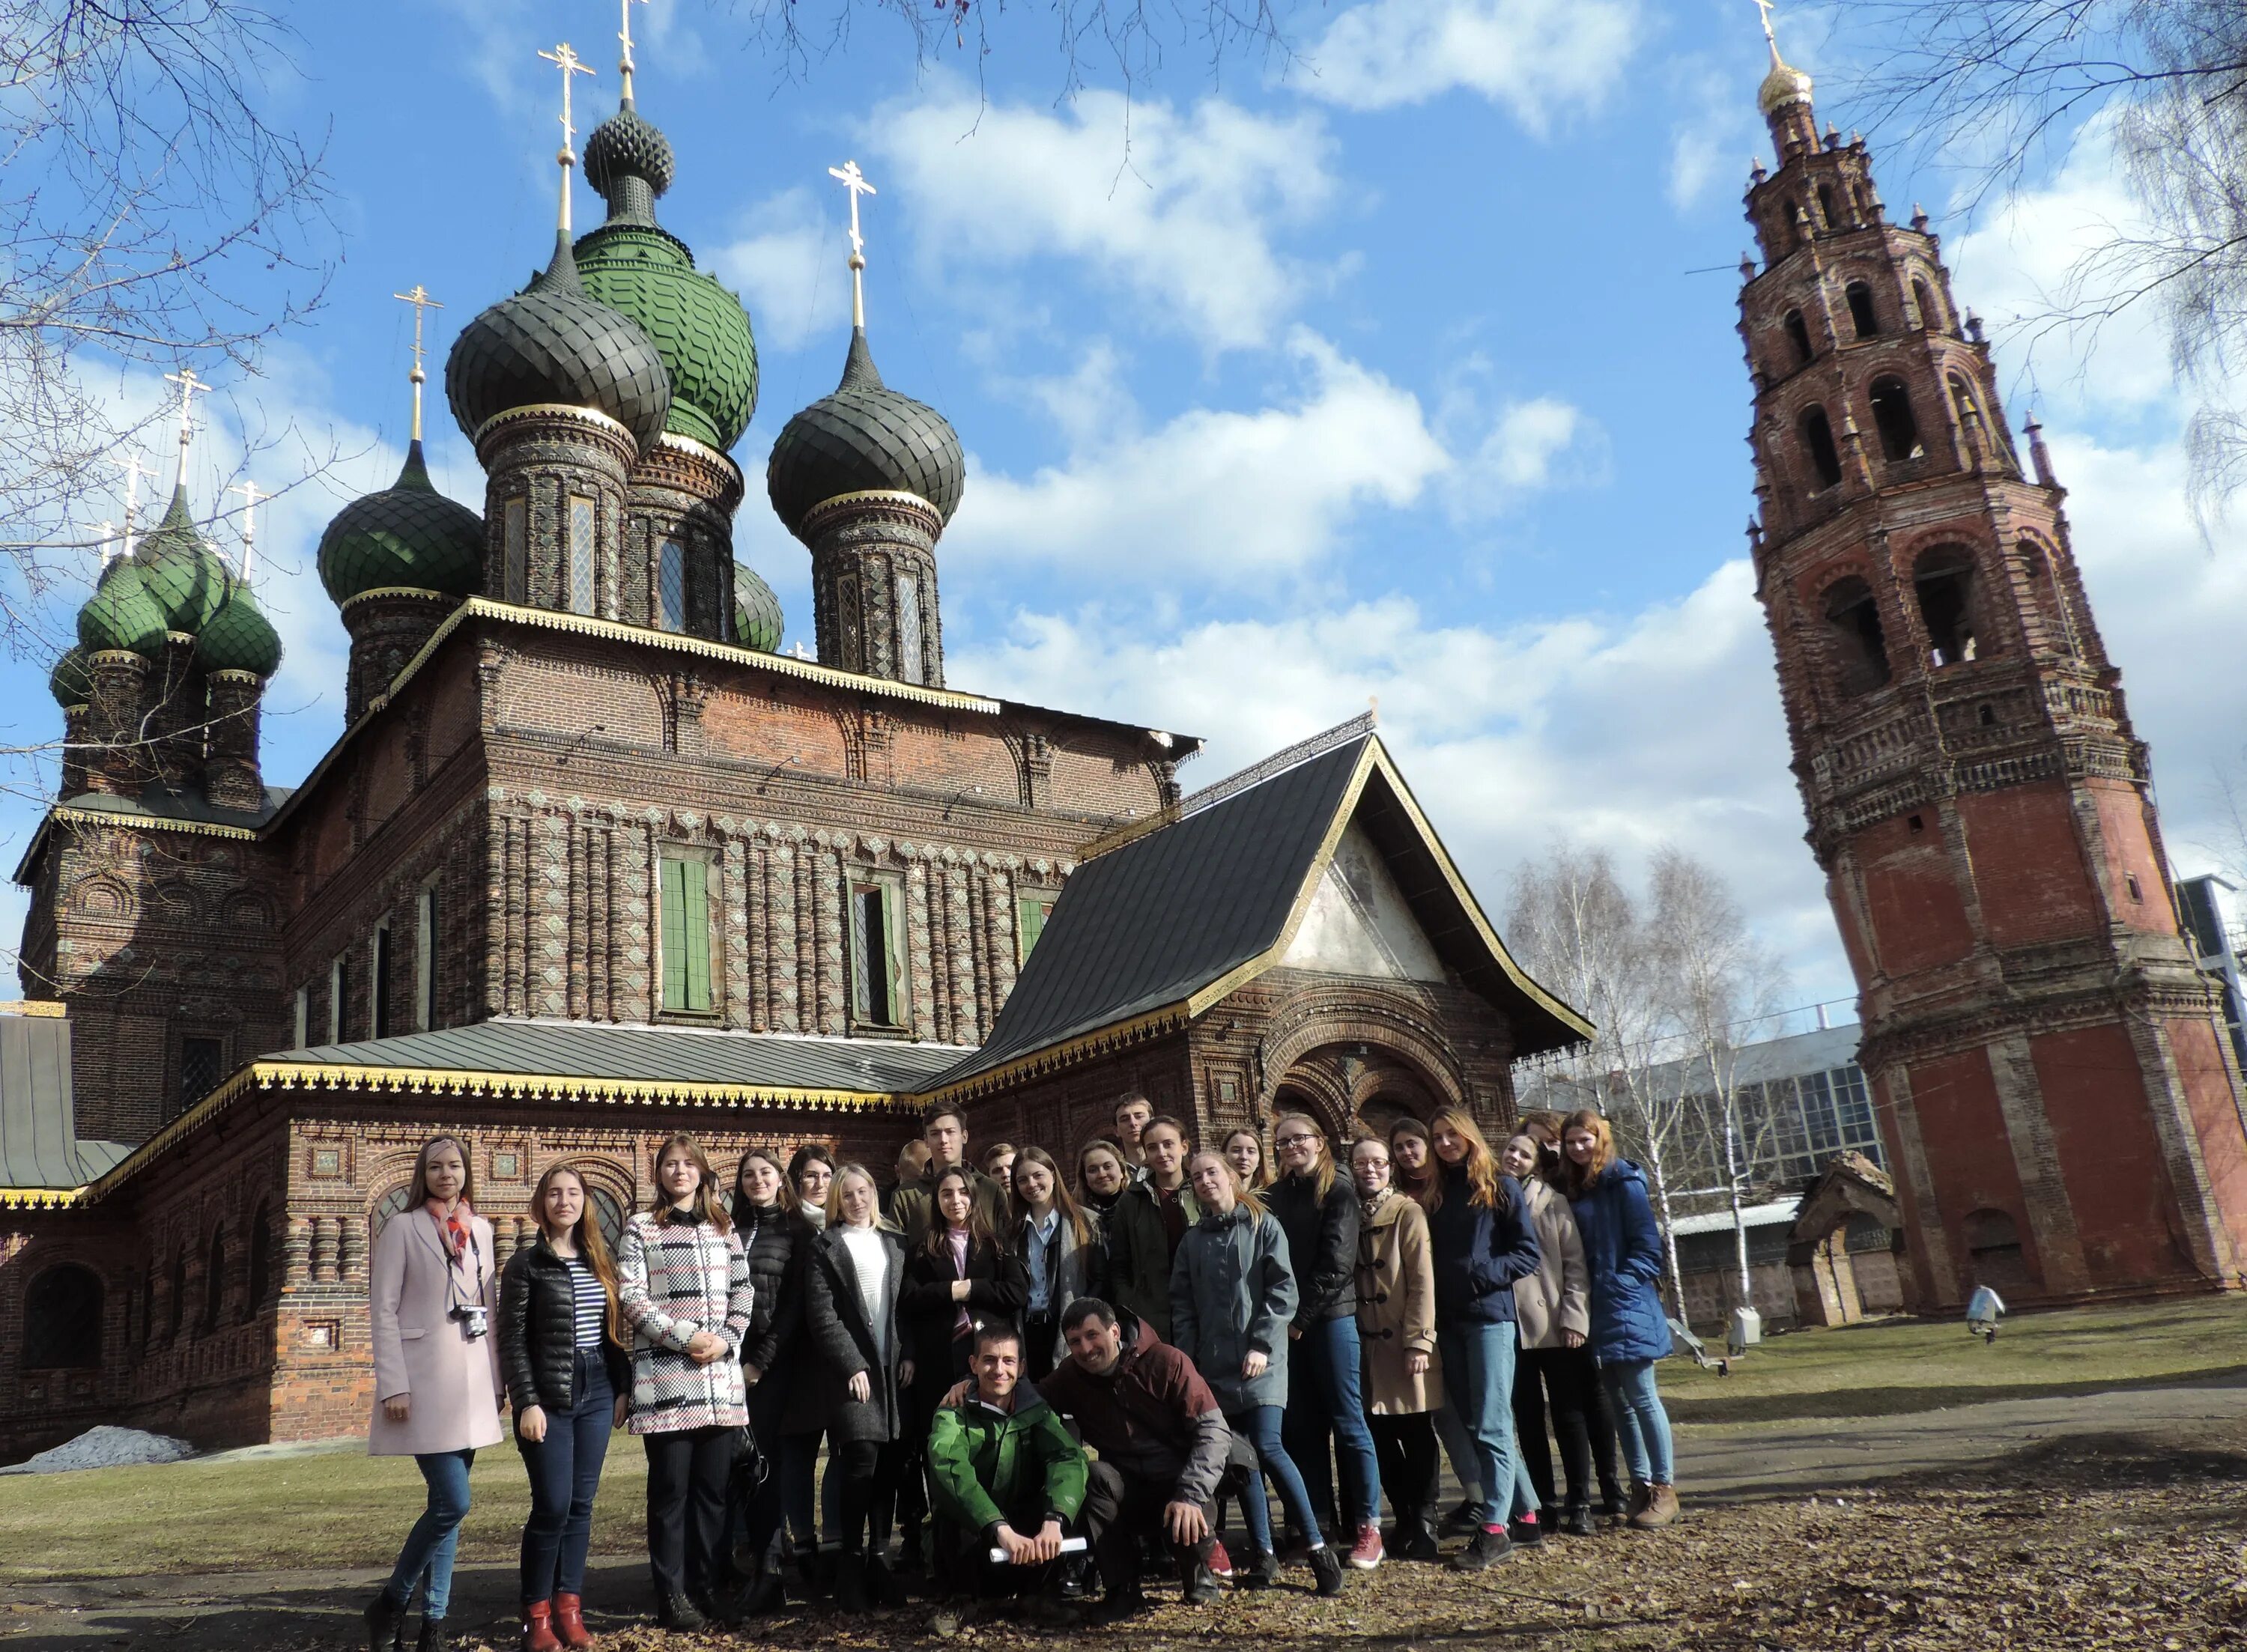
<point>1487,1549</point>
<point>1368,1551</point>
<point>1464,1521</point>
<point>1525,1532</point>
<point>1221,1563</point>
<point>1661,1509</point>
<point>1578,1522</point>
<point>1325,1566</point>
<point>1418,1546</point>
<point>1260,1571</point>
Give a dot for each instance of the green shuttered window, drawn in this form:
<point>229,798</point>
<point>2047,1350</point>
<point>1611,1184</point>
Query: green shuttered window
<point>878,978</point>
<point>1031,910</point>
<point>685,936</point>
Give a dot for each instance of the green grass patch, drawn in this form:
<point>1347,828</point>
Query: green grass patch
<point>333,1510</point>
<point>1891,1367</point>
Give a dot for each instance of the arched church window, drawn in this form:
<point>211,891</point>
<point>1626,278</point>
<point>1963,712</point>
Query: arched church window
<point>2050,598</point>
<point>261,1261</point>
<point>1943,581</point>
<point>1853,620</point>
<point>911,665</point>
<point>515,551</point>
<point>213,1282</point>
<point>1993,1243</point>
<point>1892,417</point>
<point>1830,218</point>
<point>608,1216</point>
<point>1962,398</point>
<point>62,1319</point>
<point>580,572</point>
<point>1922,296</point>
<point>1818,446</point>
<point>1798,333</point>
<point>1862,316</point>
<point>386,1207</point>
<point>671,586</point>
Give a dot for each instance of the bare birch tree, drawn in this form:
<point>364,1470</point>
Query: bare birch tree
<point>152,215</point>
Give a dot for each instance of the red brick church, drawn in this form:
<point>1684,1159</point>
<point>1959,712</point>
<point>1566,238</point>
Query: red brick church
<point>592,862</point>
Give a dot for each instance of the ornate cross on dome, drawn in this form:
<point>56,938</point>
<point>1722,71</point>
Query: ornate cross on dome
<point>855,181</point>
<point>134,468</point>
<point>565,58</point>
<point>252,493</point>
<point>1765,7</point>
<point>422,304</point>
<point>188,385</point>
<point>625,68</point>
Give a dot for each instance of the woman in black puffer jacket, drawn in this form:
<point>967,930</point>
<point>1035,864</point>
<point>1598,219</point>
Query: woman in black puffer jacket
<point>569,1379</point>
<point>764,1215</point>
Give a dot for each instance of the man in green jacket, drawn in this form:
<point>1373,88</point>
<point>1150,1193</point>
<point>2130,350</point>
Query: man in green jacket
<point>1005,1474</point>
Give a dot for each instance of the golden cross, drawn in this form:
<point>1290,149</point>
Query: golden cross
<point>134,468</point>
<point>855,181</point>
<point>564,57</point>
<point>625,35</point>
<point>422,304</point>
<point>108,539</point>
<point>1765,8</point>
<point>252,493</point>
<point>188,385</point>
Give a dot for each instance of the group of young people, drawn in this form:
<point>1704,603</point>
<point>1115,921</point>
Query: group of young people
<point>1010,1377</point>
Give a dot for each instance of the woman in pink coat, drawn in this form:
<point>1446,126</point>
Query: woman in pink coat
<point>433,1296</point>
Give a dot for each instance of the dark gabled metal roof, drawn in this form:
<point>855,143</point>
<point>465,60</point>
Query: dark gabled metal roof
<point>1173,919</point>
<point>1144,926</point>
<point>39,1149</point>
<point>643,1055</point>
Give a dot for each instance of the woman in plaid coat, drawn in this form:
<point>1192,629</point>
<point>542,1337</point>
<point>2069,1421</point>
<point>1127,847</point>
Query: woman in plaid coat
<point>683,1284</point>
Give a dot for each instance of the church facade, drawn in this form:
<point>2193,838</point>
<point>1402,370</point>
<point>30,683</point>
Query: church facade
<point>592,862</point>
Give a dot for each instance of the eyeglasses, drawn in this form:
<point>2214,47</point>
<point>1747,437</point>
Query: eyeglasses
<point>1297,1141</point>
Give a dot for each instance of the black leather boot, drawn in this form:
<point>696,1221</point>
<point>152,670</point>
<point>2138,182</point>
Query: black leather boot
<point>434,1638</point>
<point>386,1623</point>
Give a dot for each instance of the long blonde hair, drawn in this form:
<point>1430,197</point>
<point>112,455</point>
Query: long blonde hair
<point>1242,1196</point>
<point>1322,1167</point>
<point>592,1244</point>
<point>1485,1191</point>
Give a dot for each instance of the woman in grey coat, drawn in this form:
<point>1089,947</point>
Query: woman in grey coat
<point>850,1318</point>
<point>1232,1298</point>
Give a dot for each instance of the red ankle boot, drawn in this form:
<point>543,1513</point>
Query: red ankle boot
<point>539,1627</point>
<point>569,1621</point>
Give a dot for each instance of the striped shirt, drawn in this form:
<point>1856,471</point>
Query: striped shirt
<point>593,1304</point>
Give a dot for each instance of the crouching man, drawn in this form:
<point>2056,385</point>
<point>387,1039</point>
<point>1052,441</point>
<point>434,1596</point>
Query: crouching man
<point>1007,1478</point>
<point>1165,1451</point>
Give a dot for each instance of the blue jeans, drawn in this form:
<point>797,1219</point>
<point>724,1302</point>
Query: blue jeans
<point>436,1536</point>
<point>1259,1426</point>
<point>1478,1382</point>
<point>1640,1423</point>
<point>1324,1396</point>
<point>565,1472</point>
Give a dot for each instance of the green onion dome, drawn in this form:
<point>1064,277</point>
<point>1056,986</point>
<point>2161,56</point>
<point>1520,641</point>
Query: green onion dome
<point>633,265</point>
<point>553,344</point>
<point>407,537</point>
<point>865,437</point>
<point>70,682</point>
<point>121,615</point>
<point>757,611</point>
<point>239,637</point>
<point>180,570</point>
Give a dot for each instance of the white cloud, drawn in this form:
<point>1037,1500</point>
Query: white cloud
<point>1537,58</point>
<point>1626,731</point>
<point>1178,208</point>
<point>1531,445</point>
<point>788,267</point>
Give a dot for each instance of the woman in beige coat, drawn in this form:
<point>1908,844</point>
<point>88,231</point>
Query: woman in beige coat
<point>432,1298</point>
<point>1552,1308</point>
<point>1403,1379</point>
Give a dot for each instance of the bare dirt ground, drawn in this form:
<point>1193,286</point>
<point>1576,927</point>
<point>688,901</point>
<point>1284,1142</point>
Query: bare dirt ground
<point>2118,1520</point>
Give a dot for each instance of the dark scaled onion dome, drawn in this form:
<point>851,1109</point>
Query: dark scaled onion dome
<point>633,265</point>
<point>180,570</point>
<point>864,437</point>
<point>239,637</point>
<point>71,680</point>
<point>553,344</point>
<point>408,537</point>
<point>121,615</point>
<point>757,611</point>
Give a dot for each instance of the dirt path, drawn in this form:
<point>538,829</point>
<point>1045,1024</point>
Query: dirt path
<point>1724,1473</point>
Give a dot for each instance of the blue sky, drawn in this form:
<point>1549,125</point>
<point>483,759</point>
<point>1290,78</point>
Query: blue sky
<point>1406,370</point>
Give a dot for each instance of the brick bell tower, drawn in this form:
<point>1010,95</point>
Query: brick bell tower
<point>2062,1114</point>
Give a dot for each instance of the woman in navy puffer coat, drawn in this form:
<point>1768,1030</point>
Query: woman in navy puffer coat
<point>1480,1238</point>
<point>1623,1254</point>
